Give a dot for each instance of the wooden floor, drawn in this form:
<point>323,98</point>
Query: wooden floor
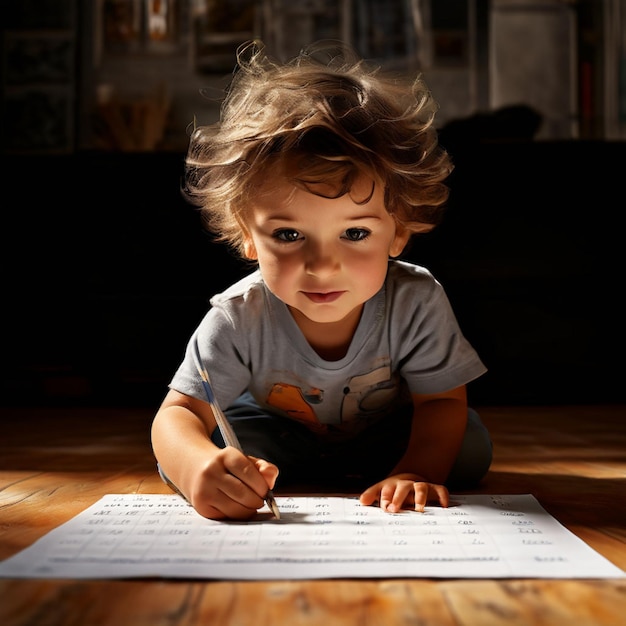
<point>55,463</point>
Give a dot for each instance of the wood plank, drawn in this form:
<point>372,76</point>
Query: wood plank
<point>55,463</point>
<point>524,602</point>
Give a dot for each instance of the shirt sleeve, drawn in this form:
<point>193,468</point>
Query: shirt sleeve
<point>430,349</point>
<point>221,343</point>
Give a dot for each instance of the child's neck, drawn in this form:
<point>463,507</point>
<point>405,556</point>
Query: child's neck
<point>330,340</point>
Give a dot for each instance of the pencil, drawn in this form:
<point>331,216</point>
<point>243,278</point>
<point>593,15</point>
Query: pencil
<point>230,438</point>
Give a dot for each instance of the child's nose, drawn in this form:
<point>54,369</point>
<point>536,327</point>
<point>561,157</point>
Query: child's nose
<point>322,260</point>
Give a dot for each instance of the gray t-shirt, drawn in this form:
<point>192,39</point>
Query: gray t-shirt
<point>408,340</point>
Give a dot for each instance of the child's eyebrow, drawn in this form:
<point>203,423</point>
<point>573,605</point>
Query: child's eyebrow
<point>365,216</point>
<point>278,217</point>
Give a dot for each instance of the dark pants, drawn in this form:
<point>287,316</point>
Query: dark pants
<point>303,458</point>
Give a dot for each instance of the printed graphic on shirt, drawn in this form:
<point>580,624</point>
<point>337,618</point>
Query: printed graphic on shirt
<point>368,395</point>
<point>365,399</point>
<point>291,400</point>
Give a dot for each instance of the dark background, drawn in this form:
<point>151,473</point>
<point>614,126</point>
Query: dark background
<point>107,270</point>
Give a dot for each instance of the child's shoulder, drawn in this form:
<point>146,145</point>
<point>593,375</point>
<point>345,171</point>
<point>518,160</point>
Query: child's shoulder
<point>409,285</point>
<point>404,271</point>
<point>249,286</point>
<point>407,280</point>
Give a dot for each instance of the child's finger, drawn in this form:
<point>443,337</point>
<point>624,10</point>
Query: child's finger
<point>442,494</point>
<point>420,496</point>
<point>268,470</point>
<point>426,492</point>
<point>369,496</point>
<point>244,483</point>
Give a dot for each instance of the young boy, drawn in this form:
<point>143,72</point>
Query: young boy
<point>336,364</point>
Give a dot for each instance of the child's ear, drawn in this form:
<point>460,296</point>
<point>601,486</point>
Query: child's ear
<point>249,250</point>
<point>400,240</point>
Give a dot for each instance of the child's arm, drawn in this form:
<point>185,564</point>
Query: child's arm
<point>219,483</point>
<point>437,432</point>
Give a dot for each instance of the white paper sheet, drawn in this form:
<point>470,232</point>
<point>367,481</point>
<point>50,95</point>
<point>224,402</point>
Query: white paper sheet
<point>478,536</point>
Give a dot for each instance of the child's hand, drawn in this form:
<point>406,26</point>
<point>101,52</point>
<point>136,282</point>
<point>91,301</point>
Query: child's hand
<point>231,485</point>
<point>401,491</point>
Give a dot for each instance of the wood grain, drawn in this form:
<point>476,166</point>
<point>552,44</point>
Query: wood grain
<point>54,463</point>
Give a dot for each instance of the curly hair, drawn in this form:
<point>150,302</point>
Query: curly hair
<point>325,116</point>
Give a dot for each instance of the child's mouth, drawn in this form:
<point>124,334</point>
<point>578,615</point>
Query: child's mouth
<point>323,298</point>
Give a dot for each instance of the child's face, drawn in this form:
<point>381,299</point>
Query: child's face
<point>324,257</point>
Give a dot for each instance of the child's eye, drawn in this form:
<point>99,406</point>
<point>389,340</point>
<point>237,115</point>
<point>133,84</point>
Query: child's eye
<point>286,234</point>
<point>357,234</point>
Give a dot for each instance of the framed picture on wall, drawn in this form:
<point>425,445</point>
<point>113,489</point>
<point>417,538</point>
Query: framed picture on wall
<point>38,120</point>
<point>218,28</point>
<point>38,78</point>
<point>141,26</point>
